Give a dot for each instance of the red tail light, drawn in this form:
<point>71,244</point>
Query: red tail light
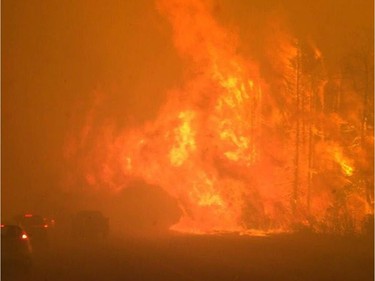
<point>28,215</point>
<point>45,226</point>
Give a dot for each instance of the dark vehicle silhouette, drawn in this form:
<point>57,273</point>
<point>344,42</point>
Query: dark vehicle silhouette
<point>90,224</point>
<point>36,227</point>
<point>16,251</point>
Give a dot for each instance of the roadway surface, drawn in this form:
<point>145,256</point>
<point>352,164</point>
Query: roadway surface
<point>203,258</point>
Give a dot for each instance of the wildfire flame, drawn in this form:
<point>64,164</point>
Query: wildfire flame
<point>212,129</point>
<point>215,151</point>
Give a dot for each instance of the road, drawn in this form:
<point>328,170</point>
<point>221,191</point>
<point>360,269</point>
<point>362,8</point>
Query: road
<point>203,258</point>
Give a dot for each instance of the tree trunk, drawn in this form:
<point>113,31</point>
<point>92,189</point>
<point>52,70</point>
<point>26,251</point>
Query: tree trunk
<point>297,140</point>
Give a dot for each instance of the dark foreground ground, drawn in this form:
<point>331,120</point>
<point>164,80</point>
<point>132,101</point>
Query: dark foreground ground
<point>225,257</point>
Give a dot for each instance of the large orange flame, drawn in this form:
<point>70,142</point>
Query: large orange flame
<point>202,149</point>
<point>218,145</point>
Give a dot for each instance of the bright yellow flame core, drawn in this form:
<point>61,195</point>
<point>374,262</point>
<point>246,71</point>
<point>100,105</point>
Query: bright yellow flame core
<point>206,199</point>
<point>344,163</point>
<point>348,170</point>
<point>185,139</point>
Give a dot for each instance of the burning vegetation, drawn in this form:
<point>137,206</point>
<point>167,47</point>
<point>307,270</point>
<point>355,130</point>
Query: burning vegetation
<point>240,150</point>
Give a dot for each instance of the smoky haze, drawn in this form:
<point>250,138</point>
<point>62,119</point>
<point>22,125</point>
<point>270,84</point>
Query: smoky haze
<point>55,57</point>
<point>71,64</point>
